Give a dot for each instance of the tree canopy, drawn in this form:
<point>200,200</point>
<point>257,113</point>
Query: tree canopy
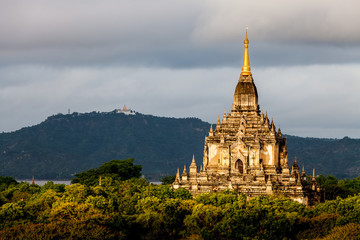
<point>127,207</point>
<point>6,182</point>
<point>167,179</point>
<point>116,169</point>
<point>338,188</point>
<point>137,209</point>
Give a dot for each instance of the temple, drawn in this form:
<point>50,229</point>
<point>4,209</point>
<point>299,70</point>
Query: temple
<point>125,111</point>
<point>245,152</point>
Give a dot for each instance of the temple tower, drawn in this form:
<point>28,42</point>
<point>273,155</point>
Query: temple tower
<point>247,153</point>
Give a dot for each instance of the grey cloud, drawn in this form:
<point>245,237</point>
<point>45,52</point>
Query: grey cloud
<point>305,100</point>
<point>181,59</point>
<point>313,98</point>
<point>280,20</point>
<point>177,34</point>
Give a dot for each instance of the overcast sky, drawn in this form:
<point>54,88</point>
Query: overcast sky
<point>182,59</point>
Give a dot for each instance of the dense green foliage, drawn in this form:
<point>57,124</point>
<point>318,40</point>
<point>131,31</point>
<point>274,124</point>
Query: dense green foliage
<point>6,182</point>
<point>167,179</point>
<point>116,169</point>
<point>136,209</point>
<point>64,145</point>
<point>338,188</point>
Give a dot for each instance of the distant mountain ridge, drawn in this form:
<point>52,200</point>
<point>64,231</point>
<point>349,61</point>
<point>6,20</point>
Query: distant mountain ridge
<point>65,144</point>
<point>338,157</point>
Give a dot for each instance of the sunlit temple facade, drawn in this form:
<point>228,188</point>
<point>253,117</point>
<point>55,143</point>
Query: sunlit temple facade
<point>245,152</point>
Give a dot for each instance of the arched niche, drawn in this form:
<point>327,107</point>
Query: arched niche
<point>239,165</point>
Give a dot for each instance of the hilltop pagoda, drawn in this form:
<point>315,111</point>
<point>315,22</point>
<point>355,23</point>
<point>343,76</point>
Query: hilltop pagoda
<point>245,152</point>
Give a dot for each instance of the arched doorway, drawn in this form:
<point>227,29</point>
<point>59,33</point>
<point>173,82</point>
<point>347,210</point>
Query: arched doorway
<point>239,166</point>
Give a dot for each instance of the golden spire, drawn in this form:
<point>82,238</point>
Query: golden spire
<point>193,159</point>
<point>218,124</point>
<point>246,65</point>
<point>303,171</point>
<point>184,172</point>
<point>177,177</point>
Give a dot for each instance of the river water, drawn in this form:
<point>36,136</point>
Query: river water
<point>66,182</point>
<point>42,182</point>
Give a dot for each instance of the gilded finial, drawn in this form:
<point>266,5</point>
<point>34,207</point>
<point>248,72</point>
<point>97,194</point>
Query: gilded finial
<point>177,177</point>
<point>279,131</point>
<point>184,172</point>
<point>303,174</point>
<point>224,117</point>
<point>246,65</point>
<point>218,124</point>
<point>246,40</point>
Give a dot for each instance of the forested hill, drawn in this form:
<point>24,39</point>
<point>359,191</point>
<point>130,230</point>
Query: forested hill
<point>338,157</point>
<point>66,144</point>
